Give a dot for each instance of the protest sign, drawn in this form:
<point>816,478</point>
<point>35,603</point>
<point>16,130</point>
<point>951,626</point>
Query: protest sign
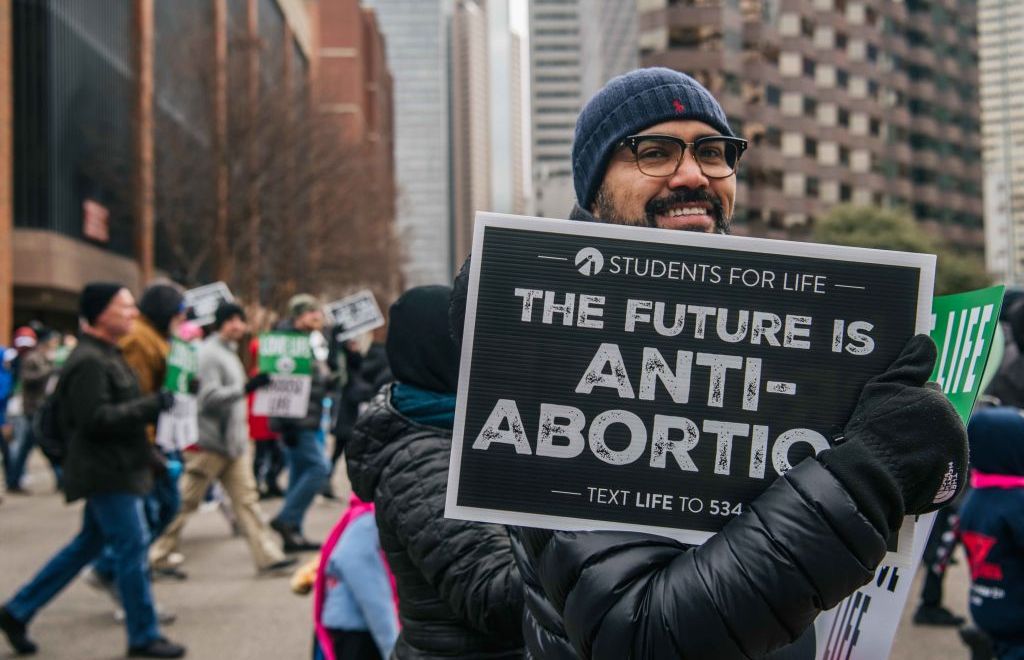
<point>288,358</point>
<point>658,381</point>
<point>204,301</point>
<point>863,626</point>
<point>178,427</point>
<point>354,315</point>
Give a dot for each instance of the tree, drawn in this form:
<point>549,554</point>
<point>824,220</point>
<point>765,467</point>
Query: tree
<point>886,229</point>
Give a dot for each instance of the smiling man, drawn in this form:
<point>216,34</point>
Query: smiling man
<point>654,149</point>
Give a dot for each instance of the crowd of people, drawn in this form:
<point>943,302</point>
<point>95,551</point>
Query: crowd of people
<point>395,578</point>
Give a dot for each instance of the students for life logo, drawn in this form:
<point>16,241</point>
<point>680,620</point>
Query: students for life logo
<point>589,261</point>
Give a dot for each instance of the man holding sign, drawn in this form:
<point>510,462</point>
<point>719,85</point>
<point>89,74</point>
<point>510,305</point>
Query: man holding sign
<point>655,149</point>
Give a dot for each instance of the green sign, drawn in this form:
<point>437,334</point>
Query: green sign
<point>182,366</point>
<point>287,353</point>
<point>964,327</point>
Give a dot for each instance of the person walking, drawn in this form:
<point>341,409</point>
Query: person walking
<point>222,451</point>
<point>35,367</point>
<point>109,464</point>
<point>308,468</point>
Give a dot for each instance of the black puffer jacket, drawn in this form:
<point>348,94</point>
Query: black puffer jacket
<point>459,592</point>
<point>755,586</point>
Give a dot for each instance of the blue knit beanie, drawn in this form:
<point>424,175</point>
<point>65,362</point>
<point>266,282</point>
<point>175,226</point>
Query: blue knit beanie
<point>630,103</point>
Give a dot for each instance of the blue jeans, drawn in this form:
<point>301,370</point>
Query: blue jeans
<point>308,471</point>
<point>159,507</point>
<point>25,442</point>
<point>114,519</point>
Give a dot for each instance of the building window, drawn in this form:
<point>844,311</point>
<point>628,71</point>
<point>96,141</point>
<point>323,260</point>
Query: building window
<point>842,78</point>
<point>810,106</point>
<point>812,186</point>
<point>772,95</point>
<point>844,117</point>
<point>845,192</point>
<point>811,147</point>
<point>809,67</point>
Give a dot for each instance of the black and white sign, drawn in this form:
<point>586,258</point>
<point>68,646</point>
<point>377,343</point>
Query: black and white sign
<point>204,301</point>
<point>659,381</point>
<point>353,315</point>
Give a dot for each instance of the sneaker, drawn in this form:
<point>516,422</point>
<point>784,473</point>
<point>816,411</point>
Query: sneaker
<point>279,565</point>
<point>161,647</point>
<point>292,539</point>
<point>16,633</point>
<point>168,573</point>
<point>936,615</point>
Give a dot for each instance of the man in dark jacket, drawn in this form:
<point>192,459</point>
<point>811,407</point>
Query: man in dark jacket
<point>109,464</point>
<point>308,469</point>
<point>459,592</point>
<point>654,149</point>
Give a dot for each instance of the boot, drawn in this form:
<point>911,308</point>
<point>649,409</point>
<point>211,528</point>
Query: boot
<point>161,647</point>
<point>16,633</point>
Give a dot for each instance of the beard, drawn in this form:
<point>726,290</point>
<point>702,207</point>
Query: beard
<point>607,212</point>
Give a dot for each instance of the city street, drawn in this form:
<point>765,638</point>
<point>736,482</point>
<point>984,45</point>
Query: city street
<point>224,610</point>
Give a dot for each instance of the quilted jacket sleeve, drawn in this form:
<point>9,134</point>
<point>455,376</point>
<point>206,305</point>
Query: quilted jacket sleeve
<point>469,564</point>
<point>800,548</point>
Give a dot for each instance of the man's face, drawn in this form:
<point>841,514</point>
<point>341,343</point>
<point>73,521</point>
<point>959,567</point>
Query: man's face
<point>117,319</point>
<point>310,321</point>
<point>629,197</point>
<point>234,328</point>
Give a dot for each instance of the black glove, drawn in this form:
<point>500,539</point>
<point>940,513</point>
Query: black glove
<point>166,400</point>
<point>256,382</point>
<point>193,385</point>
<point>902,434</point>
<point>157,461</point>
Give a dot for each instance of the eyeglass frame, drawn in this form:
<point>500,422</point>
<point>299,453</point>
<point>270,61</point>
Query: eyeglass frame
<point>633,141</point>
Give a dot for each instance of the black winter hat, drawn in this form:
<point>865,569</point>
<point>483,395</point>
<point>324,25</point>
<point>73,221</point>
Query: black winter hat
<point>160,303</point>
<point>630,103</point>
<point>996,436</point>
<point>95,298</point>
<point>419,345</point>
<point>226,311</point>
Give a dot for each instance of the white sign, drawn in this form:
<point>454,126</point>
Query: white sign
<point>285,396</point>
<point>354,315</point>
<point>204,301</point>
<point>178,427</point>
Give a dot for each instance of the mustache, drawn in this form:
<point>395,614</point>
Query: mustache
<point>661,205</point>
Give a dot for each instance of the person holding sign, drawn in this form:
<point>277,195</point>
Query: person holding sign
<point>308,469</point>
<point>654,148</point>
<point>221,453</point>
<point>109,464</point>
<point>459,592</point>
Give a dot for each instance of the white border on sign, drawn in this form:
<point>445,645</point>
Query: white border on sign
<point>360,329</point>
<point>925,263</point>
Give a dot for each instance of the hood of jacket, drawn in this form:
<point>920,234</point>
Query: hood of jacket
<point>380,434</point>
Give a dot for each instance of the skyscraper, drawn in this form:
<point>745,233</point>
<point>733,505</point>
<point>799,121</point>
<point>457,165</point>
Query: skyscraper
<point>869,102</point>
<point>1001,35</point>
<point>416,33</point>
<point>575,47</point>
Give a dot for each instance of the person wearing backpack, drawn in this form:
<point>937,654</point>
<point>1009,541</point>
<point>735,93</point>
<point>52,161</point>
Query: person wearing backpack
<point>109,464</point>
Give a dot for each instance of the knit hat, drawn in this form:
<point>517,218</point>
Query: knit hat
<point>630,103</point>
<point>226,311</point>
<point>95,298</point>
<point>160,303</point>
<point>420,348</point>
<point>301,303</point>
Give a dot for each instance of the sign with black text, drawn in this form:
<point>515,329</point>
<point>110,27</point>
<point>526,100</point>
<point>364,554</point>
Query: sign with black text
<point>658,381</point>
<point>204,301</point>
<point>354,315</point>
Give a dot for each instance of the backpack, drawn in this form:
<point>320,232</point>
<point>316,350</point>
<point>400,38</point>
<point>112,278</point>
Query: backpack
<point>50,434</point>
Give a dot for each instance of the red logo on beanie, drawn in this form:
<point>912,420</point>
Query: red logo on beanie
<point>678,105</point>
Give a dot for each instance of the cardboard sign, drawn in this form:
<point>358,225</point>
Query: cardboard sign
<point>288,358</point>
<point>863,626</point>
<point>353,315</point>
<point>204,301</point>
<point>178,427</point>
<point>658,381</point>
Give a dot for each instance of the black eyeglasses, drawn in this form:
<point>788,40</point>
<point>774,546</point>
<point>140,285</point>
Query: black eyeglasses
<point>660,155</point>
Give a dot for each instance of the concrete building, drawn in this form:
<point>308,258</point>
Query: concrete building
<point>1001,36</point>
<point>417,33</point>
<point>868,102</point>
<point>576,46</point>
<point>88,86</point>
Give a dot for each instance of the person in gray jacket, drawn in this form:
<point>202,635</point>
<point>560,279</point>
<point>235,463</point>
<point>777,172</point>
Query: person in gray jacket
<point>221,452</point>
